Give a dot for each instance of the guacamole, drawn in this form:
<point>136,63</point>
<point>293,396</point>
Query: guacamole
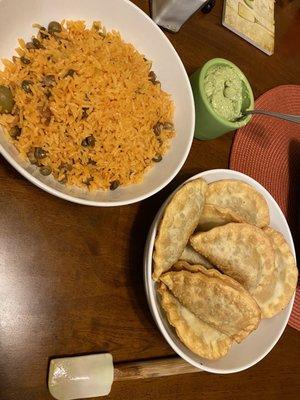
<point>223,88</point>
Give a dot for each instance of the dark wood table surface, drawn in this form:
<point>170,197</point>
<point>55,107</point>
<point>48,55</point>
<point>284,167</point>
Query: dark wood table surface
<point>71,276</point>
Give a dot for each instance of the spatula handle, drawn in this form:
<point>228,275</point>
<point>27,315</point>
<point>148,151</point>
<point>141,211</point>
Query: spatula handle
<point>152,369</point>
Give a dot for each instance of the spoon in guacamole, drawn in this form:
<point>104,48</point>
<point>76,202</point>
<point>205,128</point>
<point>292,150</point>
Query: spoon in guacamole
<point>246,105</point>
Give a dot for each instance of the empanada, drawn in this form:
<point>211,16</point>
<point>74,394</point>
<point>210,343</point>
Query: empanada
<point>179,221</point>
<point>185,266</point>
<point>199,337</point>
<point>224,306</point>
<point>213,216</point>
<point>241,198</point>
<point>286,277</point>
<point>243,252</point>
<point>193,257</point>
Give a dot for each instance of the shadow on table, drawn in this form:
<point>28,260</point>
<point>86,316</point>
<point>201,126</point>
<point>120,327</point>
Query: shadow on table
<point>293,209</point>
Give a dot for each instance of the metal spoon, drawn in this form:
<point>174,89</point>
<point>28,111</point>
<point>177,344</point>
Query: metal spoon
<point>246,105</point>
<point>287,117</point>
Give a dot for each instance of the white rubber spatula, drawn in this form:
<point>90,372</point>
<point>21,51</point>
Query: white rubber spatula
<point>82,377</point>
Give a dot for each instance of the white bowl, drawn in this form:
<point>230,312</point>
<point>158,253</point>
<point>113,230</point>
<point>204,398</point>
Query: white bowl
<point>259,343</point>
<point>135,27</point>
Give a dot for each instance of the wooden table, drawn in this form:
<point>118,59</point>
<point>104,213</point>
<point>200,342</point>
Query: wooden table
<point>71,276</point>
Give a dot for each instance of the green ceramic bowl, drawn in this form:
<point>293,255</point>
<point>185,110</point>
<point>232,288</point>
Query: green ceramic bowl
<point>209,125</point>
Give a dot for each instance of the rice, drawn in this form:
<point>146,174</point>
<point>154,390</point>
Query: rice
<point>102,125</point>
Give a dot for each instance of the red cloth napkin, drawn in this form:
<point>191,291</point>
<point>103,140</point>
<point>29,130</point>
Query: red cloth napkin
<point>268,150</point>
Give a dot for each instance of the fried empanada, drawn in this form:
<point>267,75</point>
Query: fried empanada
<point>185,266</point>
<point>241,198</point>
<point>199,337</point>
<point>287,274</point>
<point>222,305</point>
<point>213,216</point>
<point>179,221</point>
<point>193,257</point>
<point>243,252</point>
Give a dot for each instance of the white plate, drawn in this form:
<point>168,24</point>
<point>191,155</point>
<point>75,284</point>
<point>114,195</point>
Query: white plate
<point>136,27</point>
<point>259,343</point>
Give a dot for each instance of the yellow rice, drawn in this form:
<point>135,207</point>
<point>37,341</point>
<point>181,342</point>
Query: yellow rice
<point>122,106</point>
